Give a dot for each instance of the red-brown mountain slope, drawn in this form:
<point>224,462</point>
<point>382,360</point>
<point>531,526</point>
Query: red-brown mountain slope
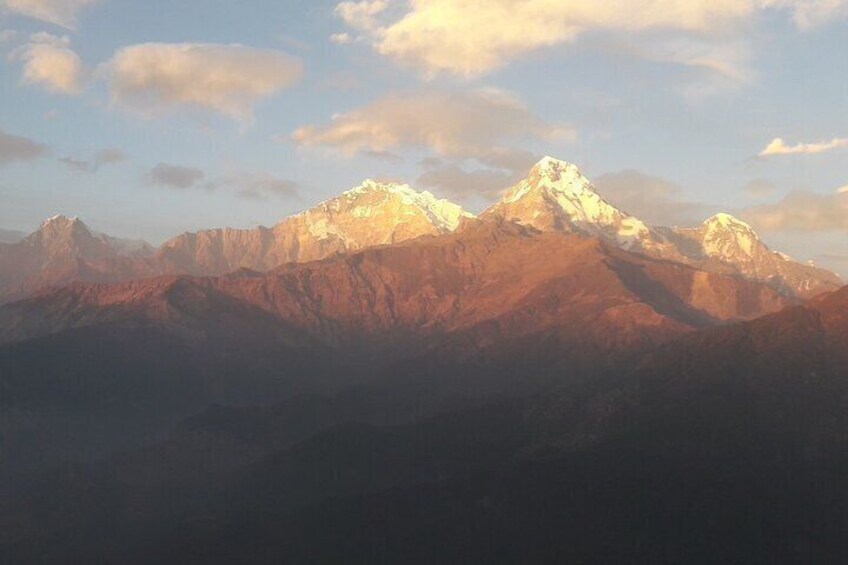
<point>488,283</point>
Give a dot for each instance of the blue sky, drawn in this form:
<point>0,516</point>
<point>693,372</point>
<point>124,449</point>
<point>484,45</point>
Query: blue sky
<point>150,119</point>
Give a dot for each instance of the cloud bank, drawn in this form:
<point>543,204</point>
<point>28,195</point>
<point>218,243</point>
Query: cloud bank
<point>475,37</point>
<point>803,211</point>
<point>470,124</point>
<point>657,201</point>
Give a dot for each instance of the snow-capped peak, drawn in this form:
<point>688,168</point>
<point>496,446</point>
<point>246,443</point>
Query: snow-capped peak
<point>442,213</point>
<point>372,185</point>
<point>60,219</point>
<point>725,220</point>
<point>61,227</point>
<point>729,238</point>
<point>560,176</point>
<point>555,177</point>
<point>553,165</point>
<point>389,203</point>
<point>556,196</point>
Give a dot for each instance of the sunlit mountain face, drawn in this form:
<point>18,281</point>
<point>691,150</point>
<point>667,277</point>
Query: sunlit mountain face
<point>587,305</point>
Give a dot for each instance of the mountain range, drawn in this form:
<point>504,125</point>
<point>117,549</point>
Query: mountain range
<point>555,197</point>
<point>386,378</point>
<point>709,446</point>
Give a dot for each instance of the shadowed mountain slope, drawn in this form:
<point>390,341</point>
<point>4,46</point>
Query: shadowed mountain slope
<point>723,445</point>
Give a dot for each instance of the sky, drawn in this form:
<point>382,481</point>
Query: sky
<point>149,119</point>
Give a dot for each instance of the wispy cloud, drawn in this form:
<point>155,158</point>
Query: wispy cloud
<point>779,147</point>
<point>256,186</point>
<point>17,148</point>
<point>175,176</point>
<point>109,156</point>
<point>62,13</point>
<point>804,211</point>
<point>244,184</point>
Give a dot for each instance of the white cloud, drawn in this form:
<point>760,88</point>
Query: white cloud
<point>475,37</point>
<point>361,15</point>
<point>802,211</point>
<point>470,124</point>
<point>49,62</point>
<point>341,38</point>
<point>229,79</point>
<point>62,13</point>
<point>779,147</point>
<point>16,148</point>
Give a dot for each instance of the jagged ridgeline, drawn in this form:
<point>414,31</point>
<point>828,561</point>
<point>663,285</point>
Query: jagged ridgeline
<point>555,196</point>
